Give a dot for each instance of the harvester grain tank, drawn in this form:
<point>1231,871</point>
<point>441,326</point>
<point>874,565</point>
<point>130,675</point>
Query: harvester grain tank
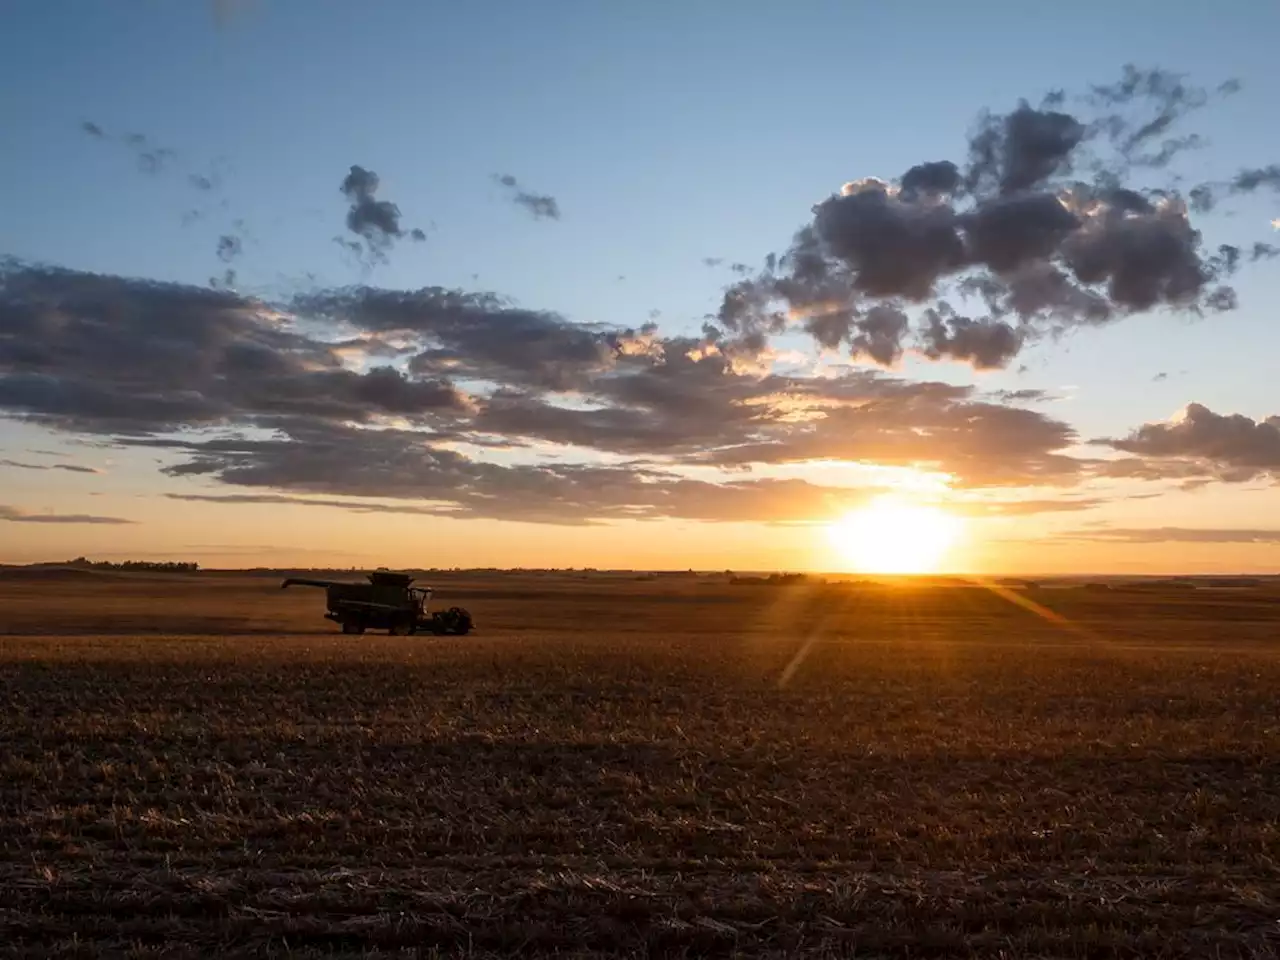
<point>386,602</point>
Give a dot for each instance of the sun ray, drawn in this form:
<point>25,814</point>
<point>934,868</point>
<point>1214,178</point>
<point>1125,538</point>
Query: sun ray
<point>847,601</point>
<point>1039,609</point>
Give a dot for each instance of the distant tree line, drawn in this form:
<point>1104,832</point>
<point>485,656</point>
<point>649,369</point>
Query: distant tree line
<point>149,566</point>
<point>774,580</point>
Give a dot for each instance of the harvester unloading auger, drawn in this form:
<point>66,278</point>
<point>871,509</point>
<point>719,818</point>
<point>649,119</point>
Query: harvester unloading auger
<point>386,602</point>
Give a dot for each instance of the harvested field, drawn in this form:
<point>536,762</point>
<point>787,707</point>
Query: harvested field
<point>202,766</point>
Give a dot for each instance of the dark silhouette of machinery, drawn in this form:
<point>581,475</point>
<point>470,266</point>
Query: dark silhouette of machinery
<point>386,602</point>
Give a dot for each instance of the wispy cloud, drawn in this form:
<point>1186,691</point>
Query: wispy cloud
<point>68,467</point>
<point>1175,535</point>
<point>541,206</point>
<point>14,515</point>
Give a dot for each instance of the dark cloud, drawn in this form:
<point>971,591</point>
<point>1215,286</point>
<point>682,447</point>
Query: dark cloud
<point>1204,197</point>
<point>879,334</point>
<point>542,206</point>
<point>92,129</point>
<point>14,515</point>
<point>892,247</point>
<point>377,221</point>
<point>985,344</point>
<point>225,282</point>
<point>1142,258</point>
<point>1021,150</point>
<point>68,467</point>
<point>158,366</point>
<point>338,461</point>
<point>110,354</point>
<point>830,329</point>
<point>1045,225</point>
<point>1009,232</point>
<point>418,234</point>
<point>1247,181</point>
<point>940,178</point>
<point>1199,442</point>
<point>477,335</point>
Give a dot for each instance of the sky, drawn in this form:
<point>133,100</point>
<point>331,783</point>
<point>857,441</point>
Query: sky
<point>649,286</point>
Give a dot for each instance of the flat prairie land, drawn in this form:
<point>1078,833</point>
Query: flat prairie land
<point>202,766</point>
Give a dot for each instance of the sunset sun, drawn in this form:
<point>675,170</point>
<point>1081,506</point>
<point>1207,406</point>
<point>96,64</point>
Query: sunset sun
<point>890,535</point>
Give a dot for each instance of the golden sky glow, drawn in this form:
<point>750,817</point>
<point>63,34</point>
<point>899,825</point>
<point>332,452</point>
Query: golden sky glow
<point>894,535</point>
<point>293,534</point>
<point>388,352</point>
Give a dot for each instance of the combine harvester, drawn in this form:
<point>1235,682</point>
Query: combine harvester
<point>386,602</point>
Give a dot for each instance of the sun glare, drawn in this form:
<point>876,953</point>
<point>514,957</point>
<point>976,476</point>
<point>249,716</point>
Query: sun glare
<point>891,535</point>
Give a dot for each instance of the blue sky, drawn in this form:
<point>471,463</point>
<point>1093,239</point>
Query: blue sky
<point>668,133</point>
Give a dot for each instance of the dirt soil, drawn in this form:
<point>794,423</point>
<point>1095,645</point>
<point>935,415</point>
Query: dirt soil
<point>201,765</point>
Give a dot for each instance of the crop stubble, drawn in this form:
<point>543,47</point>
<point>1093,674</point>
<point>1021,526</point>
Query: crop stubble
<point>201,765</point>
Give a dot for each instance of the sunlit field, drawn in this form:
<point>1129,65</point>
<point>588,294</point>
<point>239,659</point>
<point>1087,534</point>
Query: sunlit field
<point>671,766</point>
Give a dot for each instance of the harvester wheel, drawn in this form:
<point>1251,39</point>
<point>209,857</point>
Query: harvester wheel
<point>459,621</point>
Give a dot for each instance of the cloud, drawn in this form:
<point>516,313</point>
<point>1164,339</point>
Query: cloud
<point>175,359</point>
<point>1247,181</point>
<point>339,461</point>
<point>1174,535</point>
<point>477,335</point>
<point>984,344</point>
<point>1024,395</point>
<point>104,354</point>
<point>280,499</point>
<point>1021,508</point>
<point>229,248</point>
<point>68,467</point>
<point>376,221</point>
<point>14,515</point>
<point>692,407</point>
<point>1199,442</point>
<point>149,157</point>
<point>1048,227</point>
<point>540,205</point>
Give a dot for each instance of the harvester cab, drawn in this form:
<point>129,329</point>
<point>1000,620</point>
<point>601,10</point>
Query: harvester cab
<point>386,602</point>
